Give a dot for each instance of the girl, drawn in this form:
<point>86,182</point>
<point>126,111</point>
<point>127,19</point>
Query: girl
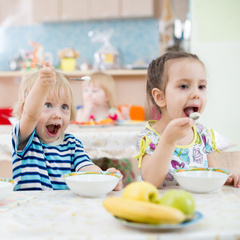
<point>42,151</point>
<point>98,104</point>
<point>98,99</point>
<point>176,85</point>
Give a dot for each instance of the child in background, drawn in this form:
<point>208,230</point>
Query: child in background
<point>98,99</point>
<point>176,86</point>
<point>42,152</point>
<point>98,104</point>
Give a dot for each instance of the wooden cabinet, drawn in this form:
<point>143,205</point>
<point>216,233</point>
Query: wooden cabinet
<point>104,9</point>
<point>72,10</point>
<point>46,10</point>
<point>15,12</point>
<point>24,12</point>
<point>137,8</point>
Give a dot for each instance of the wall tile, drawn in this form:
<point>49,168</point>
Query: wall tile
<point>134,38</point>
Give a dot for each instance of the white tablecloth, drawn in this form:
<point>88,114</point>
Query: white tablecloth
<point>64,215</point>
<point>113,142</point>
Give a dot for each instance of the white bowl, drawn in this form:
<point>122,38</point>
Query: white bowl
<point>6,187</point>
<point>92,184</point>
<point>201,180</point>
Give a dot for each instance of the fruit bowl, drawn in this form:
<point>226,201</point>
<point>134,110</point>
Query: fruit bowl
<point>92,184</point>
<point>201,180</point>
<point>6,187</point>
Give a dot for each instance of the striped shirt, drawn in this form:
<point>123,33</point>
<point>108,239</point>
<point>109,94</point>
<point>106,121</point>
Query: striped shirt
<point>39,166</point>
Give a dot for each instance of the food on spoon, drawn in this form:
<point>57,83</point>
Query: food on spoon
<point>143,212</point>
<point>142,191</point>
<point>194,115</point>
<point>179,199</point>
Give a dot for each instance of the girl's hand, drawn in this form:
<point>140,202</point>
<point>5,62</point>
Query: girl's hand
<point>177,129</point>
<point>47,75</point>
<point>120,184</point>
<point>234,180</point>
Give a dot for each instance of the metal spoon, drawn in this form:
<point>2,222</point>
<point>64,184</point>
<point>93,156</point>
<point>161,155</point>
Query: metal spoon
<point>84,78</point>
<point>194,115</point>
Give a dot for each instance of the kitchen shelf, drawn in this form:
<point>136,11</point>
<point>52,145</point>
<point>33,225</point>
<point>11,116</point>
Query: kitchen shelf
<point>114,72</point>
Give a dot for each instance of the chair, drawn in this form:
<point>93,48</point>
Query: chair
<point>134,112</point>
<point>228,160</point>
<point>5,113</point>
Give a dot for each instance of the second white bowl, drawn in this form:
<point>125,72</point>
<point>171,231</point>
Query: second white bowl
<point>6,187</point>
<point>201,180</point>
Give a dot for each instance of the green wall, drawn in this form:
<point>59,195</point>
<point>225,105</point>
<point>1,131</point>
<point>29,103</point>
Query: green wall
<point>216,40</point>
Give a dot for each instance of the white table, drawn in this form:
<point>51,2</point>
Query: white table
<point>64,215</point>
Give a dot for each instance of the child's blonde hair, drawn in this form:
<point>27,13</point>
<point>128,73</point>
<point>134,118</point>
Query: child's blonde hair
<point>107,83</point>
<point>61,89</point>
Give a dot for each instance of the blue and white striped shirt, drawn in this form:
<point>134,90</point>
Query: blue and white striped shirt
<point>39,166</point>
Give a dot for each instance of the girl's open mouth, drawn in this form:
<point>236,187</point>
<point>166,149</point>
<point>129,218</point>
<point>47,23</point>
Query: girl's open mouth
<point>52,129</point>
<point>190,110</point>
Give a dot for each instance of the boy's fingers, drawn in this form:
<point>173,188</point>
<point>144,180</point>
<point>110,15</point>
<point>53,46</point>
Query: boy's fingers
<point>229,180</point>
<point>46,64</point>
<point>112,169</point>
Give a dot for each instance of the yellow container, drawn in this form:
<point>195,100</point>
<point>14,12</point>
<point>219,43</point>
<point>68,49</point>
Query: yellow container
<point>68,64</point>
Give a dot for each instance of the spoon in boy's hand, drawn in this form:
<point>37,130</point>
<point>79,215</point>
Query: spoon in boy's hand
<point>84,78</point>
<point>194,115</point>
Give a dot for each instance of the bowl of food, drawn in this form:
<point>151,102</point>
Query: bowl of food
<point>6,187</point>
<point>92,184</point>
<point>201,180</point>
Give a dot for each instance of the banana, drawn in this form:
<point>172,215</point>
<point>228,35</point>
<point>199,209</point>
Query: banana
<point>144,212</point>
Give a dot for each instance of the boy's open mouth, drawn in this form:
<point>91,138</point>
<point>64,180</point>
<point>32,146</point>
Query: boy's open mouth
<point>189,110</point>
<point>53,129</point>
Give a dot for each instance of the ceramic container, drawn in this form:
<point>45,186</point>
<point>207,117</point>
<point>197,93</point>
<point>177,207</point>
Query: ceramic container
<point>92,184</point>
<point>6,187</point>
<point>201,180</point>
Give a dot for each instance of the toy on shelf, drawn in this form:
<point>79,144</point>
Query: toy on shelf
<point>36,56</point>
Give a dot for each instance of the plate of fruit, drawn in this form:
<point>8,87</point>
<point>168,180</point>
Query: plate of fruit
<point>196,218</point>
<point>141,207</point>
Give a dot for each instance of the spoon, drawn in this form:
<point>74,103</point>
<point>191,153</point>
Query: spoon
<point>194,115</point>
<point>84,78</point>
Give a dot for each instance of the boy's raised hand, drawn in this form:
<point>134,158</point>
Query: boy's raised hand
<point>35,101</point>
<point>47,75</point>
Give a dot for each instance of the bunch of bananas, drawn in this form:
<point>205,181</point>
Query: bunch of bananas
<point>140,202</point>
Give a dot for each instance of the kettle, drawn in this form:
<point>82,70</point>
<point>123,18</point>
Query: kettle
<point>15,64</point>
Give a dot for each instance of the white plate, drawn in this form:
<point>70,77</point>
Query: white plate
<point>131,123</point>
<point>96,125</point>
<point>197,217</point>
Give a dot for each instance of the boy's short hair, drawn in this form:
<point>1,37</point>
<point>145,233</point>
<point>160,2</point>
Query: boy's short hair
<point>61,89</point>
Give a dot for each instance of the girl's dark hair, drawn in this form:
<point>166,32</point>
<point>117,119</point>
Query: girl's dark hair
<point>156,73</point>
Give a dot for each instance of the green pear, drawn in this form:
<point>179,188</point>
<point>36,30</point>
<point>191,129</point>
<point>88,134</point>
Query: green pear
<point>179,199</point>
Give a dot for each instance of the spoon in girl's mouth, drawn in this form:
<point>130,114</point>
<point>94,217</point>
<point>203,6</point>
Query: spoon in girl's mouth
<point>194,115</point>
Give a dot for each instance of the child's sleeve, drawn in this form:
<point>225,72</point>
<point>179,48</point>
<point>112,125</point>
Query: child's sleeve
<point>81,158</point>
<point>146,144</point>
<point>142,149</point>
<point>15,141</point>
<point>213,140</point>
